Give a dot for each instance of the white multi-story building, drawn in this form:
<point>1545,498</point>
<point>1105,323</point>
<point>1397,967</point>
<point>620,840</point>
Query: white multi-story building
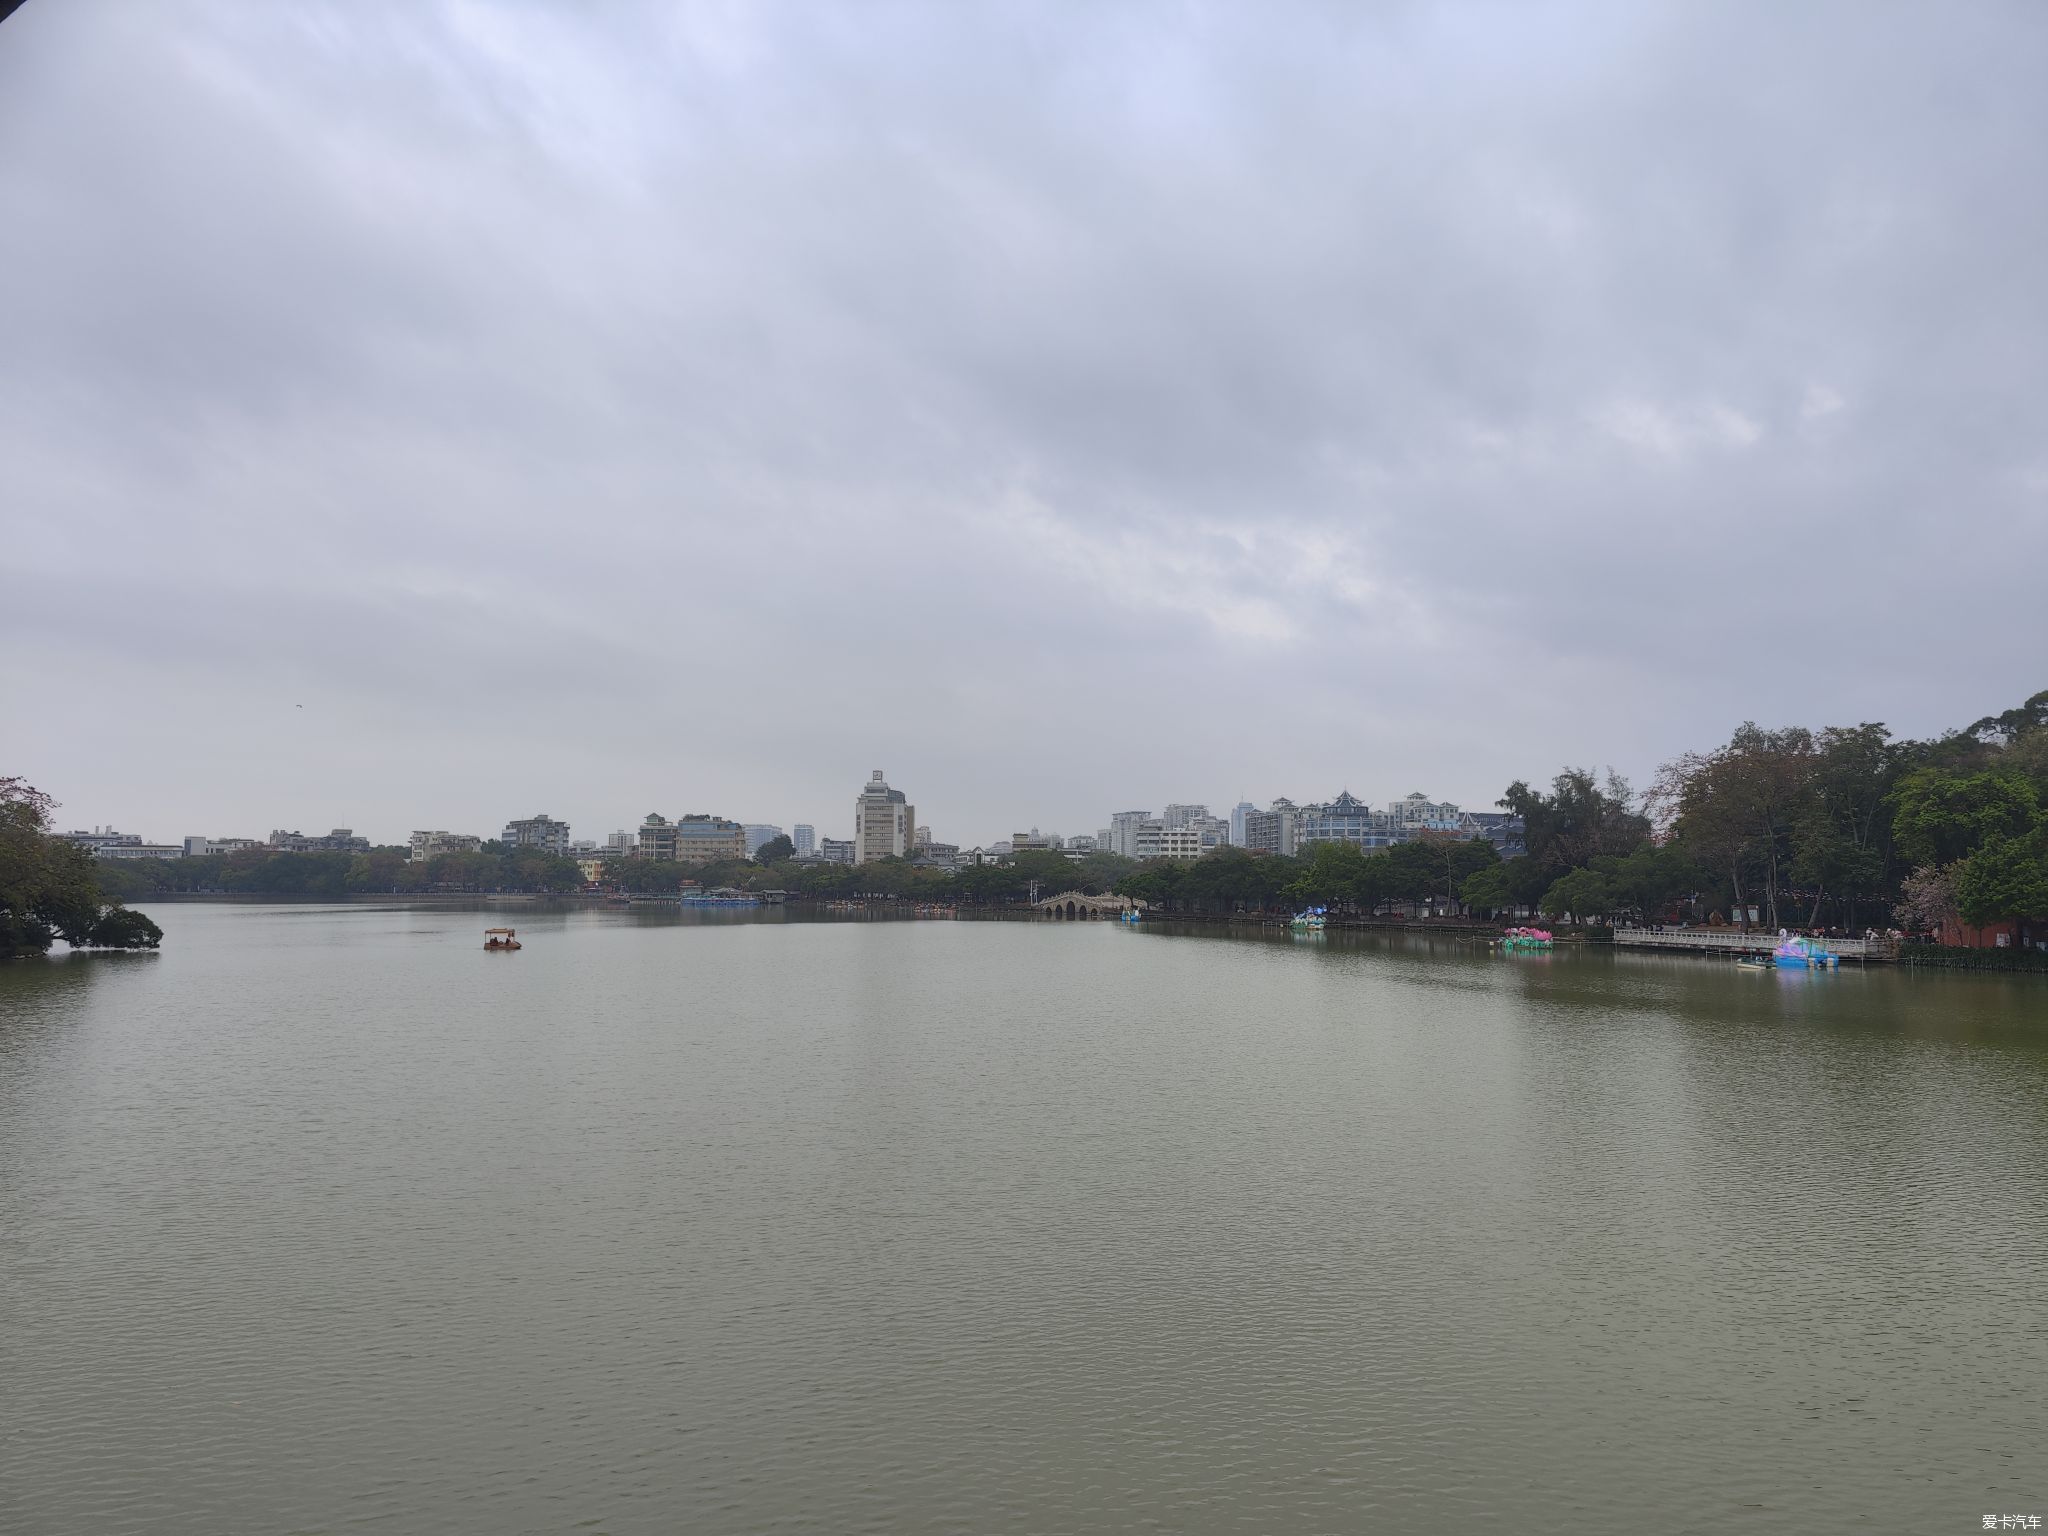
<point>759,836</point>
<point>102,837</point>
<point>139,850</point>
<point>542,832</point>
<point>1080,843</point>
<point>1184,815</point>
<point>1418,813</point>
<point>836,851</point>
<point>884,822</point>
<point>207,847</point>
<point>1238,813</point>
<point>431,845</point>
<point>1123,832</point>
<point>805,836</point>
<point>621,841</point>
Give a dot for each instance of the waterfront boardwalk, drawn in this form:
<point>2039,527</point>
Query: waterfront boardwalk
<point>1734,941</point>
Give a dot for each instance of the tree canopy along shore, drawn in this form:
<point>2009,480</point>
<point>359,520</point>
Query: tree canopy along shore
<point>50,889</point>
<point>1845,827</point>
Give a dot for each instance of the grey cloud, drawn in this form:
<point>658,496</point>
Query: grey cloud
<point>1229,401</point>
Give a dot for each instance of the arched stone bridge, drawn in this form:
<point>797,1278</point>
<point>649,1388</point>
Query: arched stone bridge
<point>1078,904</point>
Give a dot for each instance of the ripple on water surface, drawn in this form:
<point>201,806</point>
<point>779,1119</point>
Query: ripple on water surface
<point>323,1219</point>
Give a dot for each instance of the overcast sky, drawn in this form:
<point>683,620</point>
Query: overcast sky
<point>418,415</point>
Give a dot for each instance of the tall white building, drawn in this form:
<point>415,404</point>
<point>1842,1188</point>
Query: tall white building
<point>1123,832</point>
<point>1237,815</point>
<point>884,822</point>
<point>759,836</point>
<point>805,836</point>
<point>1178,816</point>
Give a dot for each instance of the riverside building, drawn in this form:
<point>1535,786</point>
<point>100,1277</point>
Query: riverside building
<point>697,839</point>
<point>1272,830</point>
<point>431,845</point>
<point>540,832</point>
<point>884,822</point>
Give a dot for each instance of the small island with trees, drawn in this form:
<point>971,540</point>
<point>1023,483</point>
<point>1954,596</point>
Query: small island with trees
<point>50,889</point>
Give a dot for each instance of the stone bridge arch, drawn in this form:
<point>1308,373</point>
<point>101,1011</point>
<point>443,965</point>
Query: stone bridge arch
<point>1075,905</point>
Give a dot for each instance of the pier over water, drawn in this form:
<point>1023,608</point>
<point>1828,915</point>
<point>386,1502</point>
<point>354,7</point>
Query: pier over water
<point>1734,941</point>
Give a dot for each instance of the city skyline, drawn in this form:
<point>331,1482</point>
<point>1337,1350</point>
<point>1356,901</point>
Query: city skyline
<point>580,834</point>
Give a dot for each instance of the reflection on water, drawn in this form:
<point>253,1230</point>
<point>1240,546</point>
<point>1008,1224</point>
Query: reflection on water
<point>736,1221</point>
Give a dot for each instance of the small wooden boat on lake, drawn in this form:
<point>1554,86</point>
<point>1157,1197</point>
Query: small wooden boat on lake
<point>500,938</point>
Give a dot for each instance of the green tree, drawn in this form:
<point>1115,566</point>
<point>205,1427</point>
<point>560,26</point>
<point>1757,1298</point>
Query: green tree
<point>2006,878</point>
<point>49,888</point>
<point>1580,819</point>
<point>1941,817</point>
<point>1736,807</point>
<point>1583,893</point>
<point>775,851</point>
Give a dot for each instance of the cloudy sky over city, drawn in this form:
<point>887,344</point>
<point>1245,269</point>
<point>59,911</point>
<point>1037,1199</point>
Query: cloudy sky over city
<point>416,415</point>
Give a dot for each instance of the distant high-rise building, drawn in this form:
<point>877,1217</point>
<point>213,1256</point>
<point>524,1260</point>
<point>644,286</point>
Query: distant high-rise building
<point>542,832</point>
<point>759,836</point>
<point>1103,840</point>
<point>620,841</point>
<point>836,851</point>
<point>1123,832</point>
<point>884,822</point>
<point>1271,831</point>
<point>1237,815</point>
<point>1178,816</point>
<point>805,836</point>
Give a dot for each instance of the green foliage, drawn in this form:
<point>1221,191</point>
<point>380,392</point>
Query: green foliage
<point>1579,820</point>
<point>1965,958</point>
<point>1940,817</point>
<point>775,850</point>
<point>2006,878</point>
<point>1492,889</point>
<point>1583,893</point>
<point>49,888</point>
<point>123,928</point>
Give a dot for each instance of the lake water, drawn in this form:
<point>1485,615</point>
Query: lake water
<point>325,1220</point>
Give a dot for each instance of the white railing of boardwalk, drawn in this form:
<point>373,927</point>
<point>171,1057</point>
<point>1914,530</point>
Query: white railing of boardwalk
<point>1757,941</point>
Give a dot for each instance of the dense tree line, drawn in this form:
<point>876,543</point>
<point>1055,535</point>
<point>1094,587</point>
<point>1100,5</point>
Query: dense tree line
<point>381,871</point>
<point>891,879</point>
<point>1845,827</point>
<point>1342,876</point>
<point>50,889</point>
